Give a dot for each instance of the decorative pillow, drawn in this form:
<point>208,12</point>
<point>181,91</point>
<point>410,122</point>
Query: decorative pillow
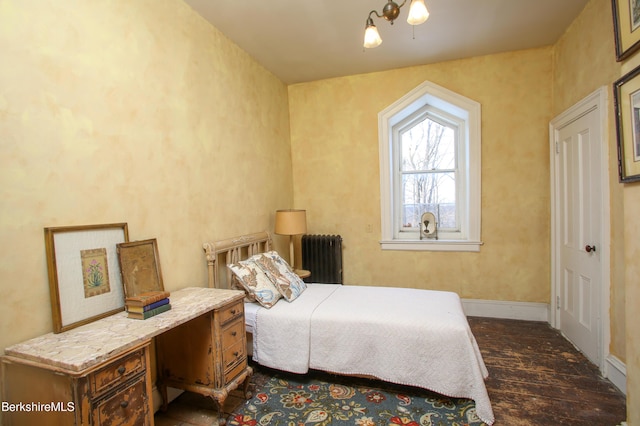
<point>236,285</point>
<point>255,282</point>
<point>280,273</point>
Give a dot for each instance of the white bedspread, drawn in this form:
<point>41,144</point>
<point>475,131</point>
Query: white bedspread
<point>407,336</point>
<point>282,333</point>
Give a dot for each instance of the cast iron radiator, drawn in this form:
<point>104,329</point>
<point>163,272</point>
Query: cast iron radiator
<point>322,255</point>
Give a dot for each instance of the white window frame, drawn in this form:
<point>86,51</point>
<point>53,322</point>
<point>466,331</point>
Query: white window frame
<point>464,109</point>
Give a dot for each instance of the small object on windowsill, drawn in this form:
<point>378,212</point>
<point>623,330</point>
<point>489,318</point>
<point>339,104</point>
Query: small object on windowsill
<point>302,273</point>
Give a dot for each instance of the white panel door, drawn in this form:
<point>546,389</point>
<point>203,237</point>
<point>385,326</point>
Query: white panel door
<point>579,185</point>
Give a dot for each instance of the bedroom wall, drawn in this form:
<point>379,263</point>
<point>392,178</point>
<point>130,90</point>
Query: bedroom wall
<point>632,272</point>
<point>138,112</point>
<point>630,256</point>
<point>334,140</point>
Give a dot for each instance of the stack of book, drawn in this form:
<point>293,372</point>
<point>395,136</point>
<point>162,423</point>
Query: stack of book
<point>147,305</point>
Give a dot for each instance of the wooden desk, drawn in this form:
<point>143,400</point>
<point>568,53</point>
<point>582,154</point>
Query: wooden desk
<point>99,372</point>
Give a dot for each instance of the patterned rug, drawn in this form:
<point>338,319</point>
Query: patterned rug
<point>319,399</point>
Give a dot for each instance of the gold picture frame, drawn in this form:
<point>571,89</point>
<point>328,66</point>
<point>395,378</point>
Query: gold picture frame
<point>626,25</point>
<point>626,96</point>
<point>84,274</point>
<point>140,267</point>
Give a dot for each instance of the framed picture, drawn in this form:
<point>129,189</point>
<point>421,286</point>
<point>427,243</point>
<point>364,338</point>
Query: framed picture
<point>84,275</point>
<point>626,24</point>
<point>626,95</point>
<point>140,266</point>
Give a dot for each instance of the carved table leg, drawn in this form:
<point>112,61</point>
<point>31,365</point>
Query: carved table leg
<point>221,419</point>
<point>245,387</point>
<point>220,396</point>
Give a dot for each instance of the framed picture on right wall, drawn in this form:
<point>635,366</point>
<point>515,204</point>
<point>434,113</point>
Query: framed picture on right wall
<point>626,24</point>
<point>626,94</point>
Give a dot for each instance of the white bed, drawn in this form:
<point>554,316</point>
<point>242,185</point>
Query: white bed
<point>406,336</point>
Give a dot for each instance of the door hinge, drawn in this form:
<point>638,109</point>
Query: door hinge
<point>558,302</point>
<point>557,148</point>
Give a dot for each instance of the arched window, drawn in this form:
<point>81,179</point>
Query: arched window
<point>430,163</point>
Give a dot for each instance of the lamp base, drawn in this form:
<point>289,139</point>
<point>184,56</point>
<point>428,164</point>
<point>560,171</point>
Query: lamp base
<point>292,259</point>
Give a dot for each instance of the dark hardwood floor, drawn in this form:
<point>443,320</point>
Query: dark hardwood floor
<point>536,377</point>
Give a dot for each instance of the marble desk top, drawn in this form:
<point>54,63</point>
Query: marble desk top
<point>88,345</point>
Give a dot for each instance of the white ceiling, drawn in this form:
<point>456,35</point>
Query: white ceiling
<point>306,40</point>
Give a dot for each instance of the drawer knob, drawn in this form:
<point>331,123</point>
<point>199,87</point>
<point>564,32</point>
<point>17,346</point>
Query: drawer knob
<point>124,404</point>
<point>233,333</point>
<point>236,353</point>
<point>121,370</point>
<point>233,312</point>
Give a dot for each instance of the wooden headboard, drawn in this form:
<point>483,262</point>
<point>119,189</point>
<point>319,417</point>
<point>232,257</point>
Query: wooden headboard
<point>232,251</point>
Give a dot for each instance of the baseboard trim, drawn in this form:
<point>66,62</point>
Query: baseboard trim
<point>509,310</point>
<point>616,371</point>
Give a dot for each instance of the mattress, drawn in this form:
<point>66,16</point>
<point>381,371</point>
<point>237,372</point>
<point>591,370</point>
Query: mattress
<point>408,336</point>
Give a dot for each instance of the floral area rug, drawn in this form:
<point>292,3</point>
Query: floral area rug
<point>319,399</point>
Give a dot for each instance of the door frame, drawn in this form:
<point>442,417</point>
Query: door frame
<point>598,99</point>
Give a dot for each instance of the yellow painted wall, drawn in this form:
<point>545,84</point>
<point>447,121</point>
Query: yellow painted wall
<point>134,111</point>
<point>631,220</point>
<point>334,138</point>
<point>632,254</point>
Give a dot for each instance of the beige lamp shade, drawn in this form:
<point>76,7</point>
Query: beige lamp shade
<point>291,222</point>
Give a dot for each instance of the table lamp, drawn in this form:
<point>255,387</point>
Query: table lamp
<point>291,222</point>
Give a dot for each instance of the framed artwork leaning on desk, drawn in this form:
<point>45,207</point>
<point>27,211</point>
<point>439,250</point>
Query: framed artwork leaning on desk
<point>140,267</point>
<point>85,283</point>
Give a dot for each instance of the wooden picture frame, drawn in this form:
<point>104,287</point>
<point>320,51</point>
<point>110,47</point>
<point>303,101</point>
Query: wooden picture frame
<point>626,96</point>
<point>140,267</point>
<point>626,25</point>
<point>84,274</point>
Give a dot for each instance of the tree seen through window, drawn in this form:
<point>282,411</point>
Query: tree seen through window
<point>428,171</point>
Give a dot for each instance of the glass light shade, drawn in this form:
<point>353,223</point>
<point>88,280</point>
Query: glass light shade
<point>418,12</point>
<point>371,37</point>
<point>291,222</point>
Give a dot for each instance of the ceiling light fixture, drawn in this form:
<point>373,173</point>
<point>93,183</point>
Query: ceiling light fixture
<point>418,13</point>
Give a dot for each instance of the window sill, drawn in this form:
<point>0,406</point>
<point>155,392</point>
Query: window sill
<point>431,245</point>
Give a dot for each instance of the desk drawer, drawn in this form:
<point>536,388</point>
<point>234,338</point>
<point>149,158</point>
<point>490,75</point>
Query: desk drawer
<point>233,354</point>
<point>117,372</point>
<point>234,371</point>
<point>126,407</point>
<point>232,333</point>
<point>230,312</point>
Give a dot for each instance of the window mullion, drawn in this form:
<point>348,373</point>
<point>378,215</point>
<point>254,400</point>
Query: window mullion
<point>430,171</point>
